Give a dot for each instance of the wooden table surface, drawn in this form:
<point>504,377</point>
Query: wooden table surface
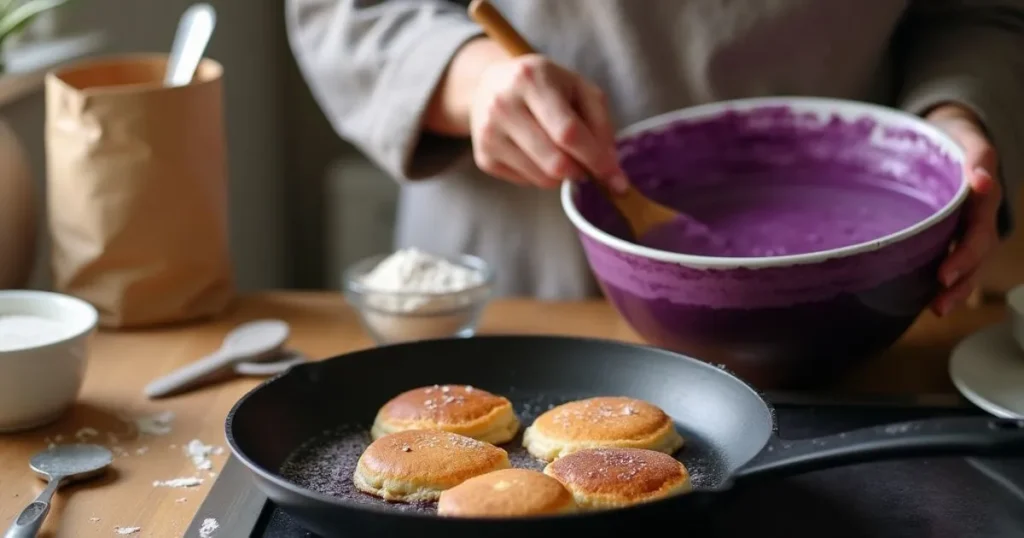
<point>122,363</point>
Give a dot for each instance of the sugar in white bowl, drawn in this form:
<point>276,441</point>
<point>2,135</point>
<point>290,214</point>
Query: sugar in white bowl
<point>44,348</point>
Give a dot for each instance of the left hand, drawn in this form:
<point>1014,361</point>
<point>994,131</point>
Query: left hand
<point>958,274</point>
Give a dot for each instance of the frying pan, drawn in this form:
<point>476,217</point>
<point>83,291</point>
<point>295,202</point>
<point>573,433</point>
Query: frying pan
<point>729,428</point>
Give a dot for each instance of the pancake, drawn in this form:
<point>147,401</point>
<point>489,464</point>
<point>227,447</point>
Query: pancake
<point>602,422</point>
<point>603,478</point>
<point>507,493</point>
<point>417,465</point>
<point>460,409</point>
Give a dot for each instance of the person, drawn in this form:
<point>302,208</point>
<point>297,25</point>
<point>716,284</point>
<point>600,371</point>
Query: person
<point>419,88</point>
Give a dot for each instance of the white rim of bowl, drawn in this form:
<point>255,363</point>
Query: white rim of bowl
<point>823,107</point>
<point>90,321</point>
<point>353,284</point>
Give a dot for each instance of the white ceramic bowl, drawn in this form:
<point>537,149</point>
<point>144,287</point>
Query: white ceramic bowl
<point>1015,304</point>
<point>44,347</point>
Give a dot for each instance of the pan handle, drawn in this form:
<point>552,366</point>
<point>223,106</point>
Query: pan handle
<point>948,436</point>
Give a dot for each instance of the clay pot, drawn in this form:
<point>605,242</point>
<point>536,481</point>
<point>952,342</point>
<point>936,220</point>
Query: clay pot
<point>17,212</point>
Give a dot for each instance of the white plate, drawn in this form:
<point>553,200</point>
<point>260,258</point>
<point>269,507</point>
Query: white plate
<point>988,369</point>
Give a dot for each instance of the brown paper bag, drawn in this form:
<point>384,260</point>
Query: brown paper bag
<point>137,190</point>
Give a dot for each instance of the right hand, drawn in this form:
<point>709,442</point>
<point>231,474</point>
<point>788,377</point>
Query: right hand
<point>536,123</point>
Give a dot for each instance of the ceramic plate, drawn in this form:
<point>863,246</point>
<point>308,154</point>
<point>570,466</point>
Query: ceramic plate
<point>988,369</point>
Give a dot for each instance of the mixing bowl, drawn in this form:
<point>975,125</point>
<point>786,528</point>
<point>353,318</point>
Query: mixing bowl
<point>780,319</point>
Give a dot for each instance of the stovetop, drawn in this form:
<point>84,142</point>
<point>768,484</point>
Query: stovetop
<point>925,498</point>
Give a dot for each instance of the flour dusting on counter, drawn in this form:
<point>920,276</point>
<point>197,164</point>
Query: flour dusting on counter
<point>155,424</point>
<point>125,531</point>
<point>184,482</point>
<point>199,453</point>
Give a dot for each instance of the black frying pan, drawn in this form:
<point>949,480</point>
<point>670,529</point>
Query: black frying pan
<point>278,429</point>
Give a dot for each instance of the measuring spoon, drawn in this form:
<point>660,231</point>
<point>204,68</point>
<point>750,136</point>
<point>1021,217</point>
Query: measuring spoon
<point>59,465</point>
<point>250,341</point>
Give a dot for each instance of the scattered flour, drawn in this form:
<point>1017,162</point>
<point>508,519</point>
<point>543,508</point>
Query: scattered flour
<point>184,482</point>
<point>85,433</point>
<point>208,527</point>
<point>181,499</point>
<point>411,281</point>
<point>125,531</point>
<point>141,450</point>
<point>199,453</point>
<point>94,519</point>
<point>156,424</point>
<point>21,332</point>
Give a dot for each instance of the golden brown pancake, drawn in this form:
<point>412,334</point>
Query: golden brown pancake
<point>417,465</point>
<point>602,478</point>
<point>507,493</point>
<point>602,422</point>
<point>460,409</point>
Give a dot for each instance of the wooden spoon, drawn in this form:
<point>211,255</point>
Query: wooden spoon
<point>641,213</point>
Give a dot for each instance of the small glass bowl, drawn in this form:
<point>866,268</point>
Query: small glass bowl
<point>391,317</point>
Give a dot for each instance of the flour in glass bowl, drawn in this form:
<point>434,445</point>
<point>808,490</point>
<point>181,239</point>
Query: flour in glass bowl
<point>412,295</point>
<point>23,331</point>
<point>412,271</point>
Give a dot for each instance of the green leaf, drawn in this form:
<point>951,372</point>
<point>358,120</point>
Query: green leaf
<point>18,18</point>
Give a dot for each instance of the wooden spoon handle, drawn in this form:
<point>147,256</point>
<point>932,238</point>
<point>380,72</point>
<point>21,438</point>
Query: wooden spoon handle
<point>498,28</point>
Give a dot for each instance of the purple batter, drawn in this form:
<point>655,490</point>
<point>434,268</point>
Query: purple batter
<point>786,216</point>
<point>793,188</point>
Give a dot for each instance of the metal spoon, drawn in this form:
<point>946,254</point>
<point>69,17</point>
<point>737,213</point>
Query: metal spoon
<point>190,40</point>
<point>59,465</point>
<point>251,341</point>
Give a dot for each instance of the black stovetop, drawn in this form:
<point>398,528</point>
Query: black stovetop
<point>931,498</point>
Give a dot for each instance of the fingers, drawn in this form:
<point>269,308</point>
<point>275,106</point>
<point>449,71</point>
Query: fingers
<point>542,124</point>
<point>955,295</point>
<point>980,234</point>
<point>568,130</point>
<point>535,144</point>
<point>514,165</point>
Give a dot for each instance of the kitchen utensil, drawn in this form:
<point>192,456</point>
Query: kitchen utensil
<point>190,40</point>
<point>59,465</point>
<point>1015,308</point>
<point>392,317</point>
<point>43,359</point>
<point>987,368</point>
<point>642,213</point>
<point>729,428</point>
<point>250,342</point>
<point>791,320</point>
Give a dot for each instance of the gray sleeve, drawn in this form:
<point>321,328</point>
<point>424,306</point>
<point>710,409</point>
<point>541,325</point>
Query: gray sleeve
<point>373,65</point>
<point>970,52</point>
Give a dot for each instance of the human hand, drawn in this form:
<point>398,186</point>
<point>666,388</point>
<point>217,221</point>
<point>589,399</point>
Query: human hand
<point>958,274</point>
<point>536,123</point>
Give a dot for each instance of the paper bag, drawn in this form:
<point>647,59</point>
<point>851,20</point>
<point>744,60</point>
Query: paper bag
<point>137,190</point>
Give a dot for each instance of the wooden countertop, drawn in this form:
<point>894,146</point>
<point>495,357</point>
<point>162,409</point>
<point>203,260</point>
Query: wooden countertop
<point>322,326</point>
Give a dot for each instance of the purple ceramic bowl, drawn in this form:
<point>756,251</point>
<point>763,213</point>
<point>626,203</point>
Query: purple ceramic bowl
<point>782,320</point>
